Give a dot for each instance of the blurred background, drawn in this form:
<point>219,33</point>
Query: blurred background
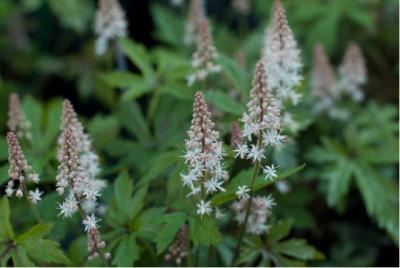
<point>47,53</point>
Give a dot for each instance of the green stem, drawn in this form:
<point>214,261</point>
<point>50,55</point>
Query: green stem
<point>33,207</point>
<point>243,227</point>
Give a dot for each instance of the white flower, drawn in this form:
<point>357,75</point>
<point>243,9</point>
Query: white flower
<point>273,138</point>
<point>34,177</point>
<point>19,193</point>
<point>213,185</point>
<point>270,172</point>
<point>219,213</point>
<point>9,191</point>
<point>35,196</point>
<point>282,186</point>
<point>203,208</point>
<point>242,192</point>
<point>90,222</point>
<point>189,178</point>
<point>269,202</point>
<point>68,207</point>
<point>195,190</point>
<point>256,153</point>
<point>241,151</point>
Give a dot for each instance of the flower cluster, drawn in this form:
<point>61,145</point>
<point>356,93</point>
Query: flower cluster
<point>178,251</point>
<point>20,172</point>
<point>353,73</point>
<point>323,84</point>
<point>110,23</point>
<point>203,61</point>
<point>261,121</point>
<point>236,135</point>
<point>94,243</point>
<point>196,12</point>
<point>282,58</point>
<point>260,210</point>
<point>17,122</point>
<point>241,6</point>
<point>204,152</point>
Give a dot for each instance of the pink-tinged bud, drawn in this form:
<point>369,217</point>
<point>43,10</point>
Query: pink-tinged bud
<point>196,13</point>
<point>17,122</point>
<point>178,251</point>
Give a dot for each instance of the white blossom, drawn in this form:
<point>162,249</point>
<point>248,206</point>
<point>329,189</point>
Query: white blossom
<point>90,222</point>
<point>270,172</point>
<point>242,192</point>
<point>68,207</point>
<point>203,208</point>
<point>257,154</point>
<point>35,196</point>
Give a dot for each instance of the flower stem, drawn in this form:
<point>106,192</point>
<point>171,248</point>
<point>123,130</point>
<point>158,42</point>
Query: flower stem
<point>33,207</point>
<point>243,227</point>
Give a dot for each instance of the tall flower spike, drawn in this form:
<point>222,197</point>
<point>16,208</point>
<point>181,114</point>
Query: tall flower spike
<point>204,152</point>
<point>196,12</point>
<point>20,172</point>
<point>262,119</point>
<point>17,121</point>
<point>353,72</point>
<point>236,135</point>
<point>282,57</point>
<point>323,84</point>
<point>110,23</point>
<point>241,6</point>
<point>203,61</point>
<point>178,251</point>
<point>260,211</point>
<point>88,159</point>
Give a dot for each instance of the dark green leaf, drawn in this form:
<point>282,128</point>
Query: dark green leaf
<point>172,223</point>
<point>127,251</point>
<point>204,231</point>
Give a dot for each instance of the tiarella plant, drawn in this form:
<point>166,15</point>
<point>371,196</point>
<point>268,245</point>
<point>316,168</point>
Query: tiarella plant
<point>212,139</point>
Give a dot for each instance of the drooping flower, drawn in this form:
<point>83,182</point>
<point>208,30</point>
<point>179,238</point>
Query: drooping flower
<point>17,122</point>
<point>204,151</point>
<point>323,84</point>
<point>282,58</point>
<point>353,73</point>
<point>260,210</point>
<point>203,61</point>
<point>178,251</point>
<point>241,6</point>
<point>20,172</point>
<point>196,13</point>
<point>110,23</point>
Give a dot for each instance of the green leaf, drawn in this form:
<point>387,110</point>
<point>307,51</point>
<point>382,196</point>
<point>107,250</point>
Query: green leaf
<point>169,26</point>
<point>130,116</point>
<point>127,251</point>
<point>138,89</point>
<point>279,230</point>
<point>37,231</point>
<point>6,231</point>
<point>244,178</point>
<point>380,197</point>
<point>3,149</point>
<point>137,201</point>
<point>235,74</point>
<point>224,102</point>
<point>339,181</point>
<point>20,258</point>
<point>167,233</point>
<point>297,248</point>
<point>123,190</point>
<point>139,56</point>
<point>159,164</point>
<point>53,120</point>
<point>120,79</point>
<point>204,231</point>
<point>44,251</point>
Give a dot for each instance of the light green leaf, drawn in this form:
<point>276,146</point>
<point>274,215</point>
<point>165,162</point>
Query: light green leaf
<point>130,116</point>
<point>169,26</point>
<point>6,231</point>
<point>279,230</point>
<point>123,190</point>
<point>204,231</point>
<point>244,178</point>
<point>120,79</point>
<point>44,251</point>
<point>339,181</point>
<point>235,74</point>
<point>167,233</point>
<point>139,56</point>
<point>3,149</point>
<point>224,102</point>
<point>37,231</point>
<point>297,248</point>
<point>127,251</point>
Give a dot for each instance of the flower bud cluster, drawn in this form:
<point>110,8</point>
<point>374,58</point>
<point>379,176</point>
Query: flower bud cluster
<point>178,251</point>
<point>196,13</point>
<point>241,6</point>
<point>17,122</point>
